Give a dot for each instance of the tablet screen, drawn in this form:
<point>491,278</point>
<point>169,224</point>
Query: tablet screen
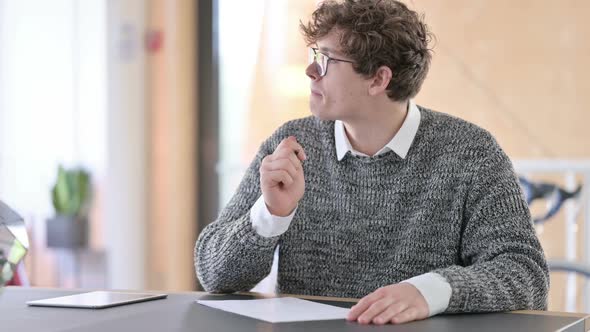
<point>98,299</point>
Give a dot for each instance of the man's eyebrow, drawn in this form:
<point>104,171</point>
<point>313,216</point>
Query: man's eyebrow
<point>326,49</point>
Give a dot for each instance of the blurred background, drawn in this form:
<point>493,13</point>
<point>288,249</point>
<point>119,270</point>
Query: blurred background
<point>163,103</point>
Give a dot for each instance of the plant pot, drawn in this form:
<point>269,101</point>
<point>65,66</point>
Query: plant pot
<point>67,232</point>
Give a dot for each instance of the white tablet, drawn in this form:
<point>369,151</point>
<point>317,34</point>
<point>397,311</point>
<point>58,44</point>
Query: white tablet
<point>96,300</point>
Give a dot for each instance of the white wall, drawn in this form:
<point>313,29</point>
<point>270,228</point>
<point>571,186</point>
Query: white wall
<point>72,91</point>
<point>125,204</point>
<point>52,96</point>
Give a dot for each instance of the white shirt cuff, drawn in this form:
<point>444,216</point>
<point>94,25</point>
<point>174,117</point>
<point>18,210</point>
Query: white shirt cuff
<point>266,224</point>
<point>435,289</point>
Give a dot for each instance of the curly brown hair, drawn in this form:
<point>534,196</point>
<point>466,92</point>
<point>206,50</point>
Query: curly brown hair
<point>377,33</point>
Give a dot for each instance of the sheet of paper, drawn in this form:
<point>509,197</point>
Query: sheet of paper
<point>280,310</point>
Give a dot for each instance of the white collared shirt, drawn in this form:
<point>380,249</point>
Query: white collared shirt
<point>434,287</point>
<point>400,143</point>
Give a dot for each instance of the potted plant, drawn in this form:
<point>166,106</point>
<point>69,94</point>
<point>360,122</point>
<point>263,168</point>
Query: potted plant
<point>71,197</point>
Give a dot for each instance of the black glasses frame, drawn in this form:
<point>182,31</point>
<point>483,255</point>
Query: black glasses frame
<point>322,64</point>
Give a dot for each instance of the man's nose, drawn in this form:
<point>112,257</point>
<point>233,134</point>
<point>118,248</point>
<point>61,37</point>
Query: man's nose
<point>312,72</point>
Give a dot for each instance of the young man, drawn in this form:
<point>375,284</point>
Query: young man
<point>373,197</point>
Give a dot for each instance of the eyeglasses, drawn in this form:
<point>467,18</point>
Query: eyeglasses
<point>321,61</point>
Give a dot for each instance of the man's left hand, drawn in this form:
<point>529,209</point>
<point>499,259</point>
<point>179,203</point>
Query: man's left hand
<point>399,303</point>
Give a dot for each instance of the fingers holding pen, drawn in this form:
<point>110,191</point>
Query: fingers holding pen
<point>288,146</point>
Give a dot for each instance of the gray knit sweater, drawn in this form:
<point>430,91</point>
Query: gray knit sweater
<point>453,206</point>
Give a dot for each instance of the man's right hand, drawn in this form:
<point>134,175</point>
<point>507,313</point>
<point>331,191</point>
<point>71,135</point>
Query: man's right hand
<point>281,177</point>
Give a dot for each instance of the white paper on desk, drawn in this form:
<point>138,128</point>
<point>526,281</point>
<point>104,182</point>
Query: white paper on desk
<point>280,310</point>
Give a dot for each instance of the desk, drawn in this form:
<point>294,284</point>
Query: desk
<point>180,312</point>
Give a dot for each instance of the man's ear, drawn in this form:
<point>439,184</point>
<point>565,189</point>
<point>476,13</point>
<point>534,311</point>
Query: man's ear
<point>380,80</point>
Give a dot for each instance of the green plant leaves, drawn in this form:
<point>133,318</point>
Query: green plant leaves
<point>71,192</point>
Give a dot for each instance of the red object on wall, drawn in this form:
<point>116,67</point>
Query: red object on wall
<point>154,39</point>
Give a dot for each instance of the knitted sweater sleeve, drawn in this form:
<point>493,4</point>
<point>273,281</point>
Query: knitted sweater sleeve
<point>229,255</point>
<point>503,266</point>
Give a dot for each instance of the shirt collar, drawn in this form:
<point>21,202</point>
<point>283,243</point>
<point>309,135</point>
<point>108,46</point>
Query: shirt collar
<point>400,143</point>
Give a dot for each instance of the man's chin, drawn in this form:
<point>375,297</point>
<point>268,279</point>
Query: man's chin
<point>320,114</point>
